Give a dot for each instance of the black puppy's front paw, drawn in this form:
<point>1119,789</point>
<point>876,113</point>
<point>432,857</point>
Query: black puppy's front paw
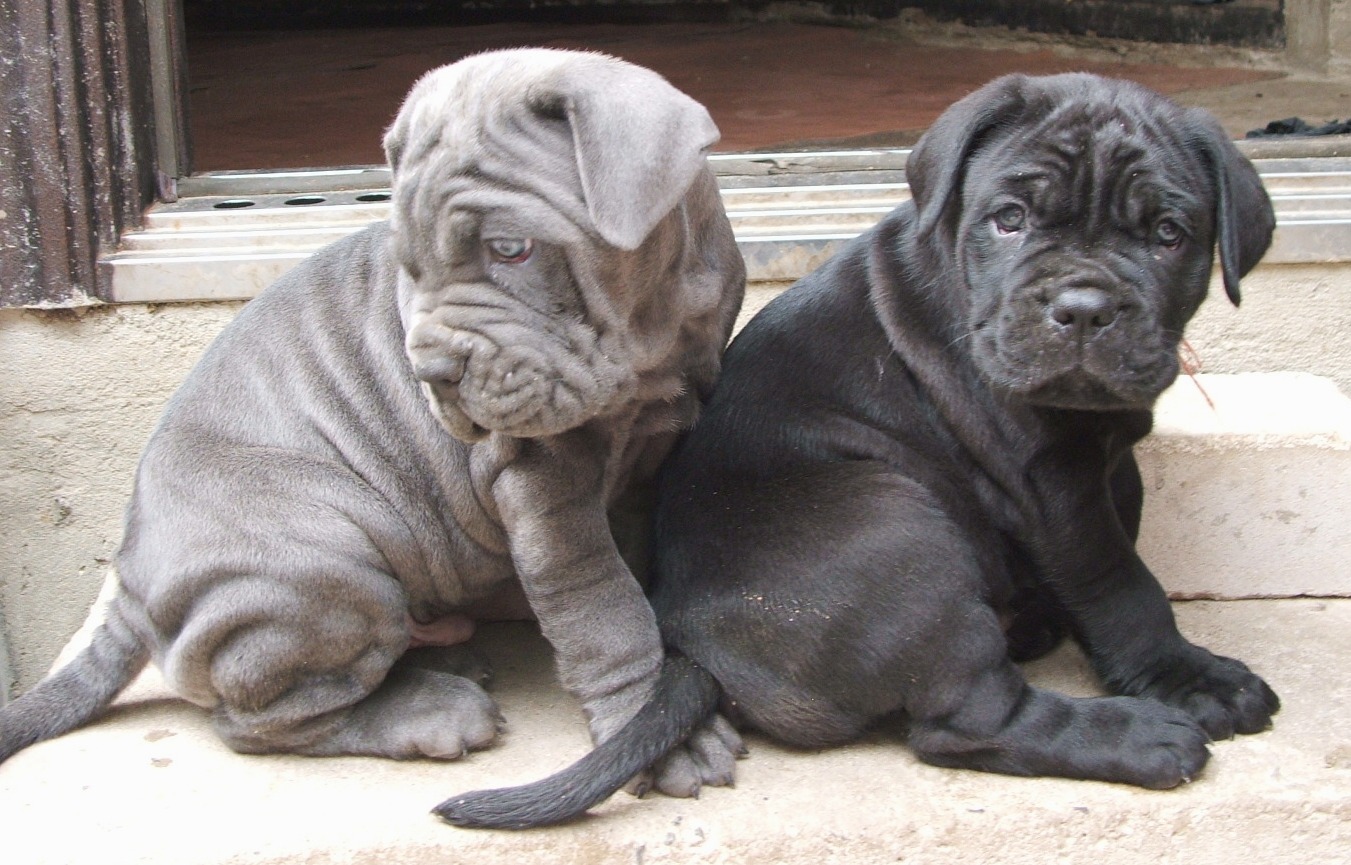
<point>1161,748</point>
<point>1222,694</point>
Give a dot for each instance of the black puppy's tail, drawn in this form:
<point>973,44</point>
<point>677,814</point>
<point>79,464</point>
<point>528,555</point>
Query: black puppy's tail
<point>76,693</point>
<point>684,696</point>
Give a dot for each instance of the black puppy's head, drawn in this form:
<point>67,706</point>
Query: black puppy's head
<point>1084,215</point>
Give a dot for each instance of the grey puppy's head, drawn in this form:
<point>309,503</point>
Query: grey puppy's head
<point>539,225</point>
<point>1085,214</point>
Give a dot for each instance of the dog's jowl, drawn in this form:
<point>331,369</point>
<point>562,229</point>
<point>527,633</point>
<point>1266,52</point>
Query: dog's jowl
<point>427,416</point>
<point>916,468</point>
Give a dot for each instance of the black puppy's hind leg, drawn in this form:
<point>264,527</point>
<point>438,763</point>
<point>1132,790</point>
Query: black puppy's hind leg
<point>906,627</point>
<point>970,706</point>
<point>991,719</point>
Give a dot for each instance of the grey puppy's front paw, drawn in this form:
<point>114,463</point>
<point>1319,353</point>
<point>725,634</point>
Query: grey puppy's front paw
<point>707,759</point>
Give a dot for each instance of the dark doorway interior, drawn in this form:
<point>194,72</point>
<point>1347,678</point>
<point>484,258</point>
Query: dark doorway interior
<point>309,83</point>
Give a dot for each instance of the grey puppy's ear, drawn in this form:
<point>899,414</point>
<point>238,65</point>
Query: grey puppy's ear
<point>639,144</point>
<point>934,169</point>
<point>1244,218</point>
<point>395,139</point>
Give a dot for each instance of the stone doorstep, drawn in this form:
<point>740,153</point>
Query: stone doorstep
<point>151,785</point>
<point>1247,486</point>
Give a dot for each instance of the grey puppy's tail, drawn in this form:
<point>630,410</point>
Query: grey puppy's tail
<point>684,696</point>
<point>78,692</point>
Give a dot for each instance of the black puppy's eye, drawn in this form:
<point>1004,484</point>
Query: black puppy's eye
<point>1010,218</point>
<point>1168,233</point>
<point>510,250</point>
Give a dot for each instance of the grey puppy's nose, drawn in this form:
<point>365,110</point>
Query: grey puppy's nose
<point>1086,310</point>
<point>440,369</point>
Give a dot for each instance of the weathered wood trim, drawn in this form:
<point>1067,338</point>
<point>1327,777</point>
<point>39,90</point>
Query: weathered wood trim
<point>76,144</point>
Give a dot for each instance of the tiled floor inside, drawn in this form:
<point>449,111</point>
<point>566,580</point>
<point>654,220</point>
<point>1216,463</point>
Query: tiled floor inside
<point>322,98</point>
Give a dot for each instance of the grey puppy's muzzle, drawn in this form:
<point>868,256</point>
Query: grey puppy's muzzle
<point>502,369</point>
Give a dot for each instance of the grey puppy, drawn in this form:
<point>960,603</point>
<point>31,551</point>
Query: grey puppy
<point>426,415</point>
<point>916,467</point>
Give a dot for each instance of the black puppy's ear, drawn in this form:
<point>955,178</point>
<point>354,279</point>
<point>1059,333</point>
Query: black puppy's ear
<point>935,167</point>
<point>1244,219</point>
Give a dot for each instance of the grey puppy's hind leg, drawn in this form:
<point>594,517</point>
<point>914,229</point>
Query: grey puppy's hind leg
<point>323,681</point>
<point>707,759</point>
<point>414,713</point>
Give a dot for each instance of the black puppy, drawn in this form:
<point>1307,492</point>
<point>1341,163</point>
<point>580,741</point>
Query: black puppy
<point>916,468</point>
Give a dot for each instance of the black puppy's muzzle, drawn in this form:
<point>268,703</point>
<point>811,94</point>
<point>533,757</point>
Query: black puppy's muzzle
<point>1076,341</point>
<point>1082,313</point>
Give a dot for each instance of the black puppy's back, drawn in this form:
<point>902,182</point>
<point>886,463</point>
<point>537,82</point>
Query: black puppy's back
<point>768,542</point>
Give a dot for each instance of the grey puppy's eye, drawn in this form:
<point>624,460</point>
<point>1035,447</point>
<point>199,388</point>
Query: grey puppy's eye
<point>1010,218</point>
<point>512,250</point>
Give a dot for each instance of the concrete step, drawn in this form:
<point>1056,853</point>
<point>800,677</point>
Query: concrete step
<point>151,785</point>
<point>1248,486</point>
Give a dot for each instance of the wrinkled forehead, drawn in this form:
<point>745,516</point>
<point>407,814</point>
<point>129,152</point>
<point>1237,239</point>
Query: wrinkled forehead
<point>472,139</point>
<point>447,103</point>
<point>1090,152</point>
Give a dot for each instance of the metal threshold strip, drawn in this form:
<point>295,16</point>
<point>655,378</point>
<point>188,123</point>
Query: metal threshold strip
<point>232,234</point>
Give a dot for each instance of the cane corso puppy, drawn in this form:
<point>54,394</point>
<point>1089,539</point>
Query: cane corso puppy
<point>429,414</point>
<point>916,468</point>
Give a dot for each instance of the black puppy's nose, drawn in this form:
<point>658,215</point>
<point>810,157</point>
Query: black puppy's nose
<point>1086,310</point>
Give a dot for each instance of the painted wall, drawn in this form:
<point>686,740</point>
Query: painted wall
<point>1339,35</point>
<point>80,391</point>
